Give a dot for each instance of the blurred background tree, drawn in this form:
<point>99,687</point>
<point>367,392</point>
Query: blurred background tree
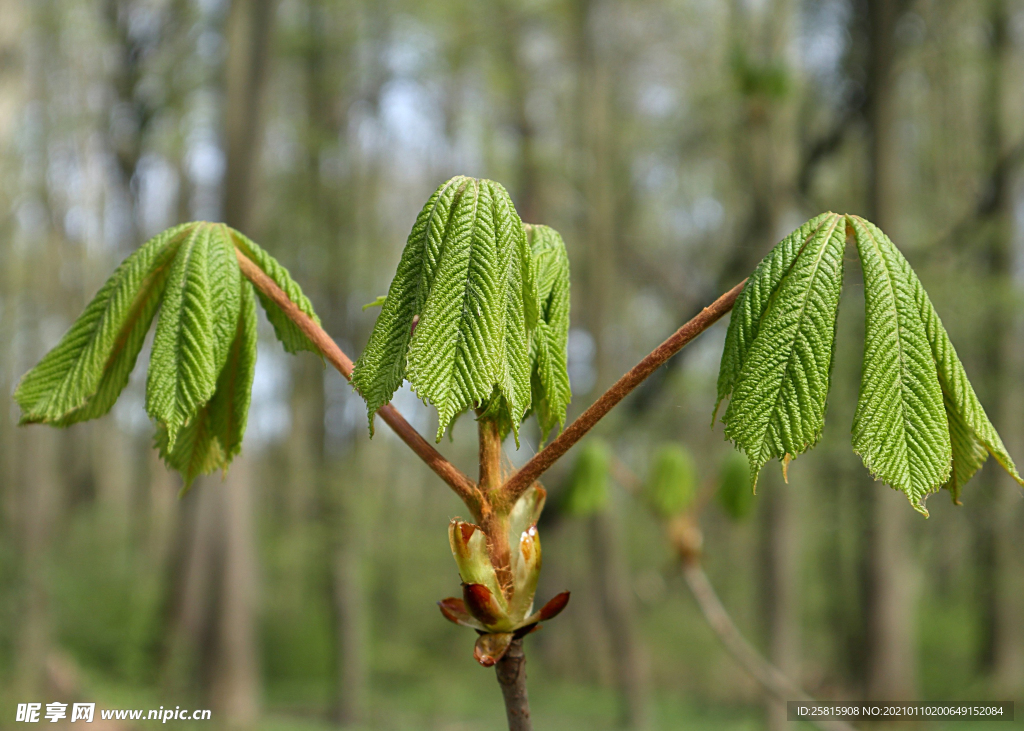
<point>672,142</point>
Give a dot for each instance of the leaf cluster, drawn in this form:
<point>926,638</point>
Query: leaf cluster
<point>203,359</point>
<point>477,315</point>
<point>919,425</point>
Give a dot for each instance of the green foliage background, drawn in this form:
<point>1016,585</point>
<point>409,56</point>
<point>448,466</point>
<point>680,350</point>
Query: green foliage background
<point>670,163</point>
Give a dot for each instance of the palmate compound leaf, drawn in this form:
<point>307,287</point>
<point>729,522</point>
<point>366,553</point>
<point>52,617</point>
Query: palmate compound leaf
<point>919,425</point>
<point>459,313</point>
<point>204,351</point>
<point>84,374</point>
<point>549,377</point>
<point>777,408</point>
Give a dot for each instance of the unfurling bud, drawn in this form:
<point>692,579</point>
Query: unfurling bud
<point>484,607</point>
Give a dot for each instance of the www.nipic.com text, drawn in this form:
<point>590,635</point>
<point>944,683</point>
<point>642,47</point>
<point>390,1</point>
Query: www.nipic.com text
<point>54,712</point>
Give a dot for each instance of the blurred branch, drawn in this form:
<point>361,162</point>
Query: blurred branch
<point>464,487</point>
<point>687,543</point>
<point>770,677</point>
<point>830,142</point>
<point>521,480</point>
<point>987,202</point>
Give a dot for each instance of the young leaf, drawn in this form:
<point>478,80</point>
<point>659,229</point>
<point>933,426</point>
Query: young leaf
<point>778,398</point>
<point>753,302</point>
<point>198,320</point>
<point>549,378</point>
<point>291,337</point>
<point>380,370</point>
<point>521,312</point>
<point>972,435</point>
<point>229,407</point>
<point>214,436</point>
<point>588,482</point>
<point>672,484</point>
<point>458,315</point>
<point>84,374</point>
<point>900,427</point>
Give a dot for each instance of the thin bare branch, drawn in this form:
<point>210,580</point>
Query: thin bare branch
<point>771,678</point>
<point>464,487</point>
<point>521,480</point>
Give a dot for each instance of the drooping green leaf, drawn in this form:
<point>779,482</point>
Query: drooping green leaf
<point>458,315</point>
<point>84,374</point>
<point>672,483</point>
<point>204,353</point>
<point>900,428</point>
<point>753,301</point>
<point>587,491</point>
<point>777,408</point>
<point>521,313</point>
<point>195,452</point>
<point>549,378</point>
<point>734,491</point>
<point>453,353</point>
<point>972,435</point>
<point>198,322</point>
<point>472,336</point>
<point>291,337</point>
<point>214,436</point>
<point>229,407</point>
<point>380,370</point>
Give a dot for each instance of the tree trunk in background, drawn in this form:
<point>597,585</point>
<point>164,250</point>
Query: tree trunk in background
<point>767,139</point>
<point>194,578</point>
<point>1001,653</point>
<point>248,36</point>
<point>333,244</point>
<point>597,180</point>
<point>223,591</point>
<point>349,595</point>
<point>612,579</point>
<point>510,40</point>
<point>779,588</point>
<point>164,507</point>
<point>891,636</point>
<point>12,439</point>
<point>236,681</point>
<point>37,503</point>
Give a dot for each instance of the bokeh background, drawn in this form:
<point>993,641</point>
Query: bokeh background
<point>672,142</point>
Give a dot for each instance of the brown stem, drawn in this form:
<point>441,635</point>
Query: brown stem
<point>490,455</point>
<point>459,482</point>
<point>494,518</point>
<point>521,480</point>
<point>771,678</point>
<point>511,671</point>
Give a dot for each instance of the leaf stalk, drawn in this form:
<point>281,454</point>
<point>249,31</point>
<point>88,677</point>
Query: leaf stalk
<point>532,470</point>
<point>455,478</point>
